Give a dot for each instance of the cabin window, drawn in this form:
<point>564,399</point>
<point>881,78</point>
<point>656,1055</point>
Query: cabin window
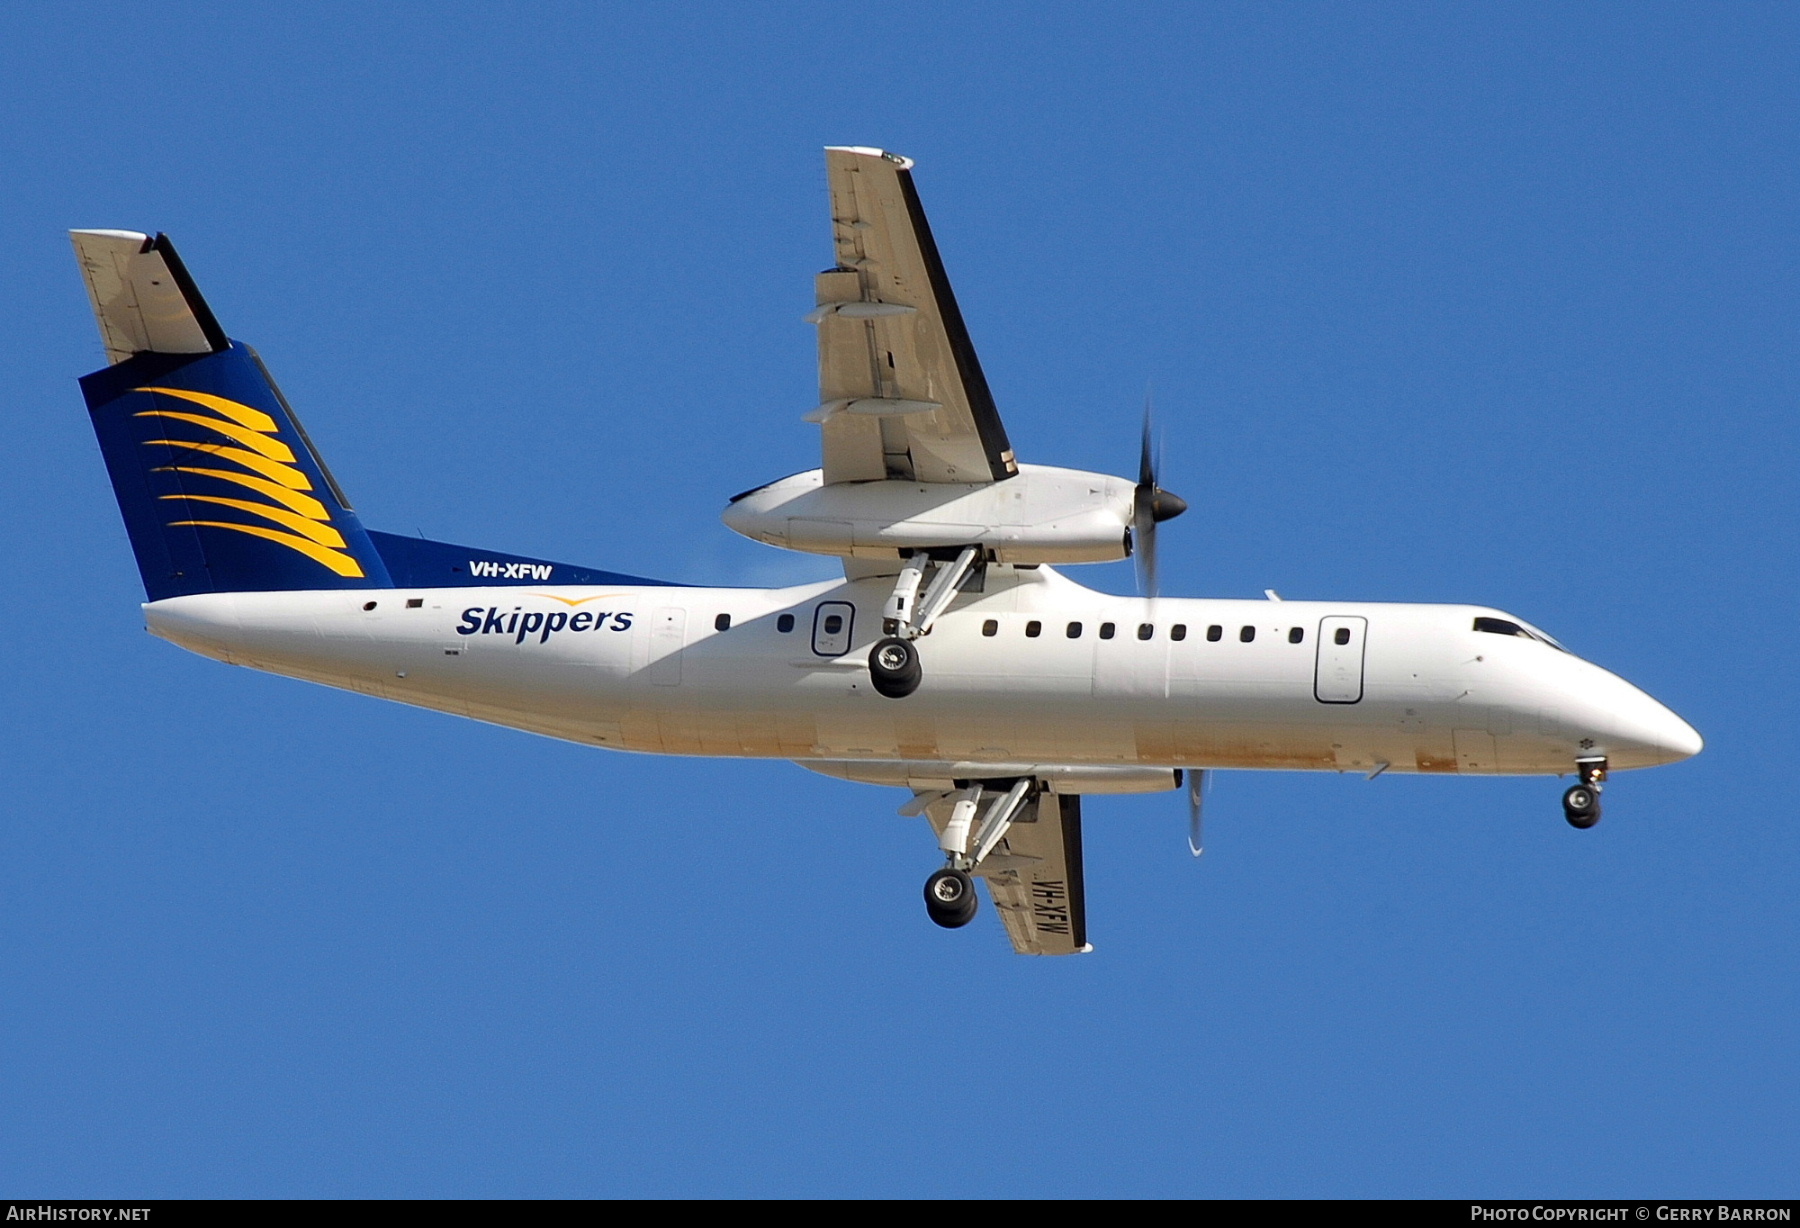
<point>1146,630</point>
<point>834,624</point>
<point>1106,631</point>
<point>1178,631</point>
<point>1074,631</point>
<point>785,623</point>
<point>415,603</point>
<point>1500,626</point>
<point>1034,628</point>
<point>1342,636</point>
<point>1215,633</point>
<point>722,622</point>
<point>368,605</point>
<point>991,627</point>
<point>1246,634</point>
<point>1296,634</point>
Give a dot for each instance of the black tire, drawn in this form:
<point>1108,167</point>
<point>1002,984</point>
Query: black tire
<point>1581,806</point>
<point>894,668</point>
<point>950,898</point>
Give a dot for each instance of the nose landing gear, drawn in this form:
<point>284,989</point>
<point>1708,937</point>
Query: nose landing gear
<point>1581,802</point>
<point>1581,806</point>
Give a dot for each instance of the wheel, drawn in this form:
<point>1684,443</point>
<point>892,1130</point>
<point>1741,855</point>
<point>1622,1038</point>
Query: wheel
<point>894,668</point>
<point>1581,806</point>
<point>950,898</point>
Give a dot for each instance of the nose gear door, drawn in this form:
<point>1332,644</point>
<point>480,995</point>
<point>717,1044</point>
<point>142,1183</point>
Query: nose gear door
<point>1338,675</point>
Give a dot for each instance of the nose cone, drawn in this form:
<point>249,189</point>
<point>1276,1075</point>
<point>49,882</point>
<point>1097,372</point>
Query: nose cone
<point>1644,731</point>
<point>1674,738</point>
<point>1609,716</point>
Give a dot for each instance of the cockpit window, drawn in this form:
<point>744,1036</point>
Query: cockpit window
<point>1500,626</point>
<point>1505,626</point>
<point>1542,636</point>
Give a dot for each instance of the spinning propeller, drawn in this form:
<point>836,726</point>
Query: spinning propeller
<point>1151,506</point>
<point>1196,785</point>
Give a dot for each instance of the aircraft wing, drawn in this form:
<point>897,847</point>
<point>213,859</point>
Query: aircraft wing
<point>1034,876</point>
<point>901,393</point>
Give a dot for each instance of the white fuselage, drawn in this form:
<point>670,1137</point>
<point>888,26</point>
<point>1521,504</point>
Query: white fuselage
<point>1414,689</point>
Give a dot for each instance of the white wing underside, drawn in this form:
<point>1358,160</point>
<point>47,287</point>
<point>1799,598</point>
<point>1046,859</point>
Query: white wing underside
<point>901,392</point>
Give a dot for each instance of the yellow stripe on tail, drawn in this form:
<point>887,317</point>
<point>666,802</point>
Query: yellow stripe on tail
<point>287,475</point>
<point>343,564</point>
<point>274,449</point>
<point>306,505</point>
<point>324,534</point>
<point>238,412</point>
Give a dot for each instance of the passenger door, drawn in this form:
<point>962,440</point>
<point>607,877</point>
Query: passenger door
<point>833,623</point>
<point>1338,674</point>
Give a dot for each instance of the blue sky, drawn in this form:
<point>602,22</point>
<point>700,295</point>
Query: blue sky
<point>1440,302</point>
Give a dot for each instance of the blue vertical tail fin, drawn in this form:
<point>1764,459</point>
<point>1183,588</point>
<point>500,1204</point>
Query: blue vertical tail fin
<point>220,488</point>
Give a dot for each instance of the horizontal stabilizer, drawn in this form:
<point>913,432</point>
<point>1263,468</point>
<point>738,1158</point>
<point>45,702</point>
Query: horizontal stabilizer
<point>143,298</point>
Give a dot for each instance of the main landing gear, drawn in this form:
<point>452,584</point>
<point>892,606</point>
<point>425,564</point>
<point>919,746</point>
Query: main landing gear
<point>1581,802</point>
<point>894,668</point>
<point>894,662</point>
<point>950,898</point>
<point>950,893</point>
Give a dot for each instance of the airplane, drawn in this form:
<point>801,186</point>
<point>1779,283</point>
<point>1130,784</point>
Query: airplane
<point>954,659</point>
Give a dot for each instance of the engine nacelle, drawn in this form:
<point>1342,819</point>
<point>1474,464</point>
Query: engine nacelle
<point>1043,515</point>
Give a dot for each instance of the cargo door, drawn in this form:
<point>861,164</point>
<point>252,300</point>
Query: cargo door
<point>668,631</point>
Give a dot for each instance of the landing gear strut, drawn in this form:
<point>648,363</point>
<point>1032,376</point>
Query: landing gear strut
<point>894,662</point>
<point>950,898</point>
<point>1581,802</point>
